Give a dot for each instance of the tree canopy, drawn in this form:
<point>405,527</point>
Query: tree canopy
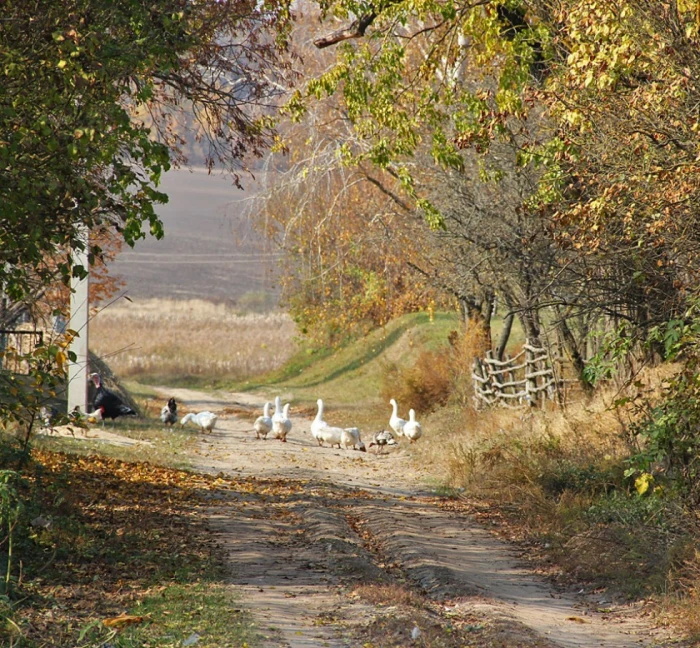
<point>90,89</point>
<point>91,101</point>
<point>588,108</point>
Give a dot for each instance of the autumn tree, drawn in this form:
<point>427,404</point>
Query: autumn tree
<point>89,96</point>
<point>628,116</point>
<point>598,97</point>
<point>77,77</point>
<point>345,236</point>
<point>344,243</point>
<point>414,95</point>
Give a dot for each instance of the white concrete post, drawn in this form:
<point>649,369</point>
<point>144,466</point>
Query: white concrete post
<point>79,314</point>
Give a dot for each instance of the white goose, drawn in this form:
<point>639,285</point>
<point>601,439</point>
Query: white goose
<point>282,425</point>
<point>318,423</point>
<point>204,420</point>
<point>395,422</point>
<point>343,438</point>
<point>263,424</point>
<point>412,430</point>
<point>350,438</point>
<point>278,409</point>
<point>333,436</point>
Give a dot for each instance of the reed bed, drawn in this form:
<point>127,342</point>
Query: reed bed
<point>177,341</point>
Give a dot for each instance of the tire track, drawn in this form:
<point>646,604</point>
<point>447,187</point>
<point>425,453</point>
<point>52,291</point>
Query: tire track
<point>352,521</point>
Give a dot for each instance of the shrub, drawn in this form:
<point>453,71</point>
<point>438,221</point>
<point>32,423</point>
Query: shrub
<point>568,475</point>
<point>437,376</point>
<point>425,386</point>
<point>667,435</point>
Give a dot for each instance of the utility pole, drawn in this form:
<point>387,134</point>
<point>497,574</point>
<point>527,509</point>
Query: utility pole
<point>79,315</point>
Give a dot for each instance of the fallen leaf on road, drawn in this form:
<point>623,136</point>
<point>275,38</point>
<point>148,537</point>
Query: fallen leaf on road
<point>122,620</point>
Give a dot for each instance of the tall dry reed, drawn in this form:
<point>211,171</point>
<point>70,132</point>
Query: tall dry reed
<point>163,338</point>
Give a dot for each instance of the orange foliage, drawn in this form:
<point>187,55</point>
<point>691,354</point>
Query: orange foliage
<point>426,386</point>
<point>344,271</point>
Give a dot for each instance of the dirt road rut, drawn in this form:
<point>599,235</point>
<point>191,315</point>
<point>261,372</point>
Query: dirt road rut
<point>344,548</point>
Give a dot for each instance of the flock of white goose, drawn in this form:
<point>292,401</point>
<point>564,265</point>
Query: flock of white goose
<point>279,424</point>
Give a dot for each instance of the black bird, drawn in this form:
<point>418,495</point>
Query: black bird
<point>108,402</point>
<point>382,438</point>
<point>169,413</point>
<point>48,416</point>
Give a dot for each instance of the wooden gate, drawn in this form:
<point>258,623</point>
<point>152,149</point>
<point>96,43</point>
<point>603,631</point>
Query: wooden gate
<point>527,379</point>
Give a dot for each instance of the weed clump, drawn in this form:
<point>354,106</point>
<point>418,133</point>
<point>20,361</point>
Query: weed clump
<point>437,377</point>
<point>425,387</point>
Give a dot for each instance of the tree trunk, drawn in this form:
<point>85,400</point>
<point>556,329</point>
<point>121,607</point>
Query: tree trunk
<point>505,335</point>
<point>531,327</point>
<point>572,349</point>
<point>473,313</point>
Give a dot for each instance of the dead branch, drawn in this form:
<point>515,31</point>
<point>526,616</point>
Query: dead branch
<point>356,30</point>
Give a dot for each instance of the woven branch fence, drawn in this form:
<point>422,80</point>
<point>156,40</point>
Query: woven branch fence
<point>527,379</point>
<point>15,344</point>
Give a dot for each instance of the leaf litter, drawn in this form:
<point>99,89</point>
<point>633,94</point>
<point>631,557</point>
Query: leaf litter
<point>317,559</point>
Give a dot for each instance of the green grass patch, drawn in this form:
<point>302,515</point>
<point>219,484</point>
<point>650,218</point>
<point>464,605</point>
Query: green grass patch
<point>206,615</point>
<point>155,443</point>
<point>351,377</point>
<point>98,538</point>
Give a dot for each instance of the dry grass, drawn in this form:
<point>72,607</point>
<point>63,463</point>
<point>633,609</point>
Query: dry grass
<point>472,444</point>
<point>389,594</point>
<point>554,481</point>
<point>181,341</point>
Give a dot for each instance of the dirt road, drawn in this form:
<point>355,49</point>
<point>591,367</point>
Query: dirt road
<point>345,548</point>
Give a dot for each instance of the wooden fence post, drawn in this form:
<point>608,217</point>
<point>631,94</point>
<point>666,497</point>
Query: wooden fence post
<point>530,378</point>
<point>479,379</point>
<point>494,378</point>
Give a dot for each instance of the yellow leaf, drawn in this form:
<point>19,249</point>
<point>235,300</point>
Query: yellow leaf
<point>123,619</point>
<point>643,482</point>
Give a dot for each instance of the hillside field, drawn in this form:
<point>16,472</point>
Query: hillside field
<point>210,249</point>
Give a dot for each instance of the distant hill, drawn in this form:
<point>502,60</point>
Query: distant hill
<point>210,249</point>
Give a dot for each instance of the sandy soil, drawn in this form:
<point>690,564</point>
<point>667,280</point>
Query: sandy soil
<point>95,433</point>
<point>357,517</point>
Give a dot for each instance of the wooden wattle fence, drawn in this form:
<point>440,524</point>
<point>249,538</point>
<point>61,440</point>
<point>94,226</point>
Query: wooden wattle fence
<point>15,344</point>
<point>526,379</point>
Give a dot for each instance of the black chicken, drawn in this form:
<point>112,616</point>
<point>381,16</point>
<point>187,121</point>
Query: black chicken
<point>48,415</point>
<point>169,413</point>
<point>381,439</point>
<point>108,402</point>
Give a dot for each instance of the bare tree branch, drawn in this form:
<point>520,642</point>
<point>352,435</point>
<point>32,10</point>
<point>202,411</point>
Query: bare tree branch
<point>356,29</point>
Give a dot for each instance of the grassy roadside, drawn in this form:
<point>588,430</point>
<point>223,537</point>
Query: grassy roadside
<point>153,443</point>
<point>353,381</point>
<point>553,481</point>
<point>108,552</point>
